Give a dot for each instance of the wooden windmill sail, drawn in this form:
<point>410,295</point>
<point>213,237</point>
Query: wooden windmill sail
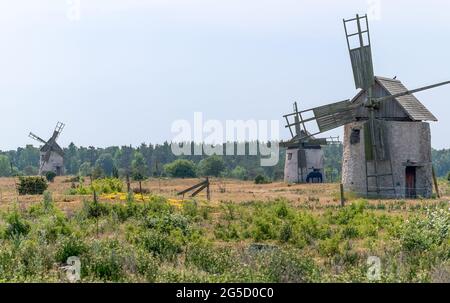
<point>338,114</point>
<point>299,133</point>
<point>49,149</point>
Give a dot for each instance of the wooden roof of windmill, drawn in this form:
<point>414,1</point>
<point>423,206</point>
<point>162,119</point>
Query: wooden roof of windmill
<point>413,109</point>
<point>52,146</point>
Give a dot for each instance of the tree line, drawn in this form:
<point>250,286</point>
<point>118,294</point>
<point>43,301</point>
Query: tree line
<point>148,160</point>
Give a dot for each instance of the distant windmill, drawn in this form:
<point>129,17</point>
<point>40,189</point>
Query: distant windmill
<point>51,154</point>
<point>304,154</point>
<point>387,143</point>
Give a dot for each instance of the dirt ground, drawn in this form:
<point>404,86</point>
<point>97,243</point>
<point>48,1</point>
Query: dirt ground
<point>222,190</point>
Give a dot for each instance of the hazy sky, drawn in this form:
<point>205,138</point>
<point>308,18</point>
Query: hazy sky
<point>123,71</point>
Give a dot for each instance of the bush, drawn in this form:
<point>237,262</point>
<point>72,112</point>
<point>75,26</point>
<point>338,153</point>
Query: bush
<point>47,201</point>
<point>281,210</point>
<point>190,209</point>
<point>421,234</point>
<point>167,223</point>
<point>147,266</point>
<point>288,267</point>
<point>285,232</point>
<point>95,209</point>
<point>260,179</point>
<point>53,227</point>
<point>263,229</point>
<point>17,226</point>
<point>212,166</point>
<point>181,168</point>
<point>50,176</point>
<point>162,245</point>
<point>209,259</point>
<point>32,185</point>
<point>330,247</point>
<point>106,261</point>
<point>107,185</point>
<point>240,173</point>
<point>70,247</point>
<point>101,186</point>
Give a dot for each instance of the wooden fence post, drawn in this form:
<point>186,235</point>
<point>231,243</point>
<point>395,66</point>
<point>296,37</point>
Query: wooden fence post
<point>208,193</point>
<point>128,183</point>
<point>436,187</point>
<point>342,195</point>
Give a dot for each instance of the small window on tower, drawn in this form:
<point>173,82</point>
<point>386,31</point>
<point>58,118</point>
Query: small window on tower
<point>289,156</point>
<point>355,136</point>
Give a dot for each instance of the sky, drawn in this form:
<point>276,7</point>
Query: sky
<point>121,72</point>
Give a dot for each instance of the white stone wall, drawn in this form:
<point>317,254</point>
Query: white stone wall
<point>55,161</point>
<point>291,170</point>
<point>407,141</point>
<point>295,174</point>
<point>353,161</point>
<point>412,141</point>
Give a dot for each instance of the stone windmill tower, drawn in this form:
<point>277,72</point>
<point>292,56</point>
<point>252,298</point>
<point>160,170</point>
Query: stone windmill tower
<point>304,154</point>
<point>387,141</point>
<point>51,154</point>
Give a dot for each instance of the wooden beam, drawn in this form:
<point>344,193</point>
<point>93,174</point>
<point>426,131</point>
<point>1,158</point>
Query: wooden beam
<point>191,188</point>
<point>199,190</point>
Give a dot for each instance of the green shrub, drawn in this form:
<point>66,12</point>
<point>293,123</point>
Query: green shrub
<point>50,176</point>
<point>162,245</point>
<point>329,247</point>
<point>101,186</point>
<point>107,185</point>
<point>263,229</point>
<point>227,232</point>
<point>54,226</point>
<point>260,179</point>
<point>350,232</point>
<point>285,232</point>
<point>308,228</point>
<point>17,226</point>
<point>166,223</point>
<point>106,261</point>
<point>190,208</point>
<point>33,259</point>
<point>346,214</point>
<point>47,201</point>
<point>147,266</point>
<point>239,172</point>
<point>208,258</point>
<point>212,166</point>
<point>421,234</point>
<point>181,168</point>
<point>92,209</point>
<point>32,185</point>
<point>289,267</point>
<point>281,210</point>
<point>70,247</point>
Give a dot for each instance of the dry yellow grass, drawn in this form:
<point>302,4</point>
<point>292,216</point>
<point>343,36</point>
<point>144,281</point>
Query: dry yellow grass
<point>221,190</point>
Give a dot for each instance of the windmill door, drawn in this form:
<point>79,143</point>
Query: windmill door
<point>410,182</point>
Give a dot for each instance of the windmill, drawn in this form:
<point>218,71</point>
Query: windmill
<point>51,154</point>
<point>304,154</point>
<point>387,148</point>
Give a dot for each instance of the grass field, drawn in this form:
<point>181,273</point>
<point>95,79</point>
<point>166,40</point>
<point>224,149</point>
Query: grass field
<point>247,233</point>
